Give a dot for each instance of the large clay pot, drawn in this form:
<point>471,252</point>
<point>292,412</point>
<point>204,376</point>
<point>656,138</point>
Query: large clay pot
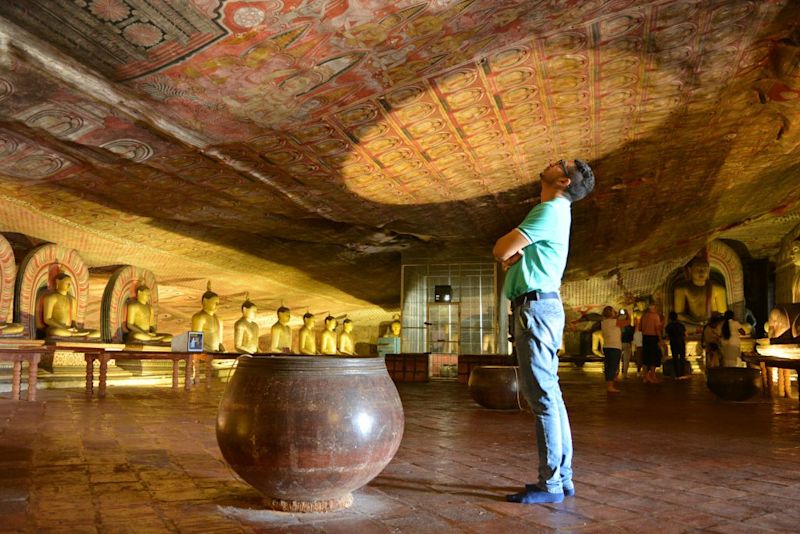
<point>306,431</point>
<point>496,387</point>
<point>733,383</point>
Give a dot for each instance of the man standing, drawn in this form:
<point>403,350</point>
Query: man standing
<point>676,333</point>
<point>651,328</point>
<point>535,255</point>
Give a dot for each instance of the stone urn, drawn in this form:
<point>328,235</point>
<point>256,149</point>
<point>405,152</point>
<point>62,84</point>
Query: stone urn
<point>306,431</point>
<point>733,383</point>
<point>496,387</point>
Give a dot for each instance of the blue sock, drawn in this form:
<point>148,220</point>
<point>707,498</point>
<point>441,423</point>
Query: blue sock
<point>535,496</point>
<point>569,491</point>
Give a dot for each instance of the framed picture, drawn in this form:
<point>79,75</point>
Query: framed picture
<point>194,342</point>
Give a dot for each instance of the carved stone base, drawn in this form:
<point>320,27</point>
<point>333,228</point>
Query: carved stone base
<point>309,506</point>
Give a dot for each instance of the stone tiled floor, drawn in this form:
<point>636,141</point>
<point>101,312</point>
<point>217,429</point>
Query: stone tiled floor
<point>665,458</point>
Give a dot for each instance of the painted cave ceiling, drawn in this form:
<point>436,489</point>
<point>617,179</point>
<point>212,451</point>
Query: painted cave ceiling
<point>294,147</point>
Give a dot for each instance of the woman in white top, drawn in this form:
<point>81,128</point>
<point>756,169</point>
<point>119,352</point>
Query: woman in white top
<point>612,346</point>
<point>731,341</point>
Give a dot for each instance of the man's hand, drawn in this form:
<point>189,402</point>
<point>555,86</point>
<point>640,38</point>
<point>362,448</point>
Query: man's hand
<point>511,261</point>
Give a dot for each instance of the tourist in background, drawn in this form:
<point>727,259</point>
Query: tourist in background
<point>710,339</point>
<point>731,341</point>
<point>651,328</point>
<point>637,351</point>
<point>612,346</point>
<point>676,333</point>
<point>628,332</point>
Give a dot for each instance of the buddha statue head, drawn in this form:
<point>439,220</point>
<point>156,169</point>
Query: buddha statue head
<point>284,315</point>
<point>394,328</point>
<point>63,283</point>
<point>347,325</point>
<point>308,320</point>
<point>778,323</point>
<point>330,323</point>
<point>698,270</point>
<point>143,294</point>
<point>794,252</point>
<point>249,309</point>
<point>210,300</point>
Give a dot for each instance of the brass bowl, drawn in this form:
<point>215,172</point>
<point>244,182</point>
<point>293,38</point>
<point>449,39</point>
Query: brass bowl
<point>733,383</point>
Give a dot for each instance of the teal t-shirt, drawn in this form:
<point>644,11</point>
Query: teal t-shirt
<point>543,261</point>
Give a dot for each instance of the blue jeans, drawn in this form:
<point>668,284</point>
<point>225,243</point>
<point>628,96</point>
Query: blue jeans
<point>538,329</point>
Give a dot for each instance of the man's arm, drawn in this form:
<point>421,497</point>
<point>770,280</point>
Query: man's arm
<point>509,246</point>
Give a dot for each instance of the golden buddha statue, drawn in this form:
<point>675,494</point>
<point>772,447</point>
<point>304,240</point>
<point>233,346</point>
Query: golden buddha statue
<point>60,312</point>
<point>346,344</point>
<point>598,343</point>
<point>394,329</point>
<point>308,343</point>
<point>11,329</point>
<point>281,332</point>
<point>696,298</point>
<point>327,340</point>
<point>794,252</point>
<point>140,324</point>
<point>245,330</point>
<point>207,322</point>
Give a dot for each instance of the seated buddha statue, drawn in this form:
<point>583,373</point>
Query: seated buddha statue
<point>778,326</point>
<point>281,332</point>
<point>11,329</point>
<point>794,252</point>
<point>794,256</point>
<point>783,325</point>
<point>327,340</point>
<point>140,324</point>
<point>207,322</point>
<point>696,298</point>
<point>60,312</point>
<point>346,344</point>
<point>245,330</point>
<point>394,329</point>
<point>308,343</point>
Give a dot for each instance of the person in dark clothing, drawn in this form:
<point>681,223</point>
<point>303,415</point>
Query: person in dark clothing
<point>676,333</point>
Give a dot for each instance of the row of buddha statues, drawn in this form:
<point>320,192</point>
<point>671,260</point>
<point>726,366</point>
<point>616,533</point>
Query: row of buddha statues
<point>57,314</point>
<point>246,331</point>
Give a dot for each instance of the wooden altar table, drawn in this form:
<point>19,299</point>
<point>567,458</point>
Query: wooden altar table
<point>770,361</point>
<point>104,356</point>
<point>17,351</point>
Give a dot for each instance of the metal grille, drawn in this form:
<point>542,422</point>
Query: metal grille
<point>468,322</point>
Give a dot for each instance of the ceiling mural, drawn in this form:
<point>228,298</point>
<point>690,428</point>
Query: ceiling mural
<point>312,140</point>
